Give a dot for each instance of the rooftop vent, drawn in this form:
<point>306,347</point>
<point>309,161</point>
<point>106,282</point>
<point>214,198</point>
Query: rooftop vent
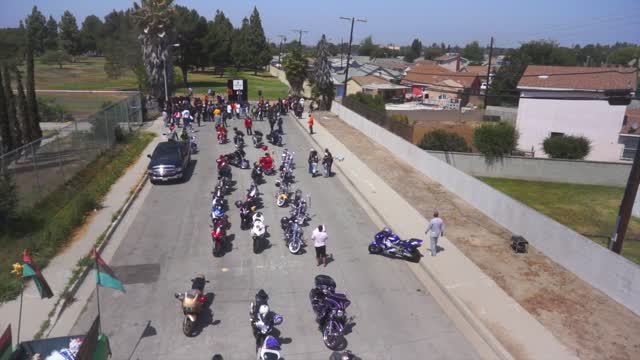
<point>543,76</point>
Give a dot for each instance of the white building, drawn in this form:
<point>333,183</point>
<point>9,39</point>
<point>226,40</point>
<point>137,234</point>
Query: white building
<point>546,108</point>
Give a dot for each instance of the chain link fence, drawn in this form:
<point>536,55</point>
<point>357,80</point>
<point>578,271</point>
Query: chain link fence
<point>40,167</point>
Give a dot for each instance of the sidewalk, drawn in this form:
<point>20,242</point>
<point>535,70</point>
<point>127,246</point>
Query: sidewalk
<point>492,312</point>
<point>59,270</point>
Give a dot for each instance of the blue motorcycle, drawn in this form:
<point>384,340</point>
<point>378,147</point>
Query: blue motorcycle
<point>385,242</point>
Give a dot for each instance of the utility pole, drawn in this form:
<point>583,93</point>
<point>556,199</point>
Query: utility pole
<point>626,207</point>
<point>300,31</point>
<point>346,73</point>
<point>486,90</point>
<point>341,51</point>
<point>282,38</point>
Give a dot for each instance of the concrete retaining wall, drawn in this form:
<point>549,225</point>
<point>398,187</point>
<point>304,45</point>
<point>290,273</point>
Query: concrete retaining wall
<point>506,113</point>
<point>614,275</point>
<point>537,169</point>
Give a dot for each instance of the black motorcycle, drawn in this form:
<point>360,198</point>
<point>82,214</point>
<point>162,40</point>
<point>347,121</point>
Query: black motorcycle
<point>275,138</point>
<point>238,138</point>
<point>246,213</point>
<point>262,318</point>
<point>257,138</point>
<point>237,159</point>
<point>257,173</point>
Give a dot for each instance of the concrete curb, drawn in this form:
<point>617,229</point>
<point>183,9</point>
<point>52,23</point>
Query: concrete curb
<point>498,349</point>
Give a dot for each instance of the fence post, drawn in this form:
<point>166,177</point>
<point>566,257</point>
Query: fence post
<point>60,164</point>
<point>106,125</point>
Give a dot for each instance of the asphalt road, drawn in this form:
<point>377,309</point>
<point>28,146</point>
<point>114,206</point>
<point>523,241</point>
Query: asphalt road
<point>169,242</point>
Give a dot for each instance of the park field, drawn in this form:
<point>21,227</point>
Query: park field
<point>588,209</point>
<point>87,73</point>
<point>82,105</point>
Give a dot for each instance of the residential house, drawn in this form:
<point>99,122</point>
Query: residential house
<point>452,61</point>
<point>363,70</point>
<point>375,85</point>
<point>559,100</point>
<point>441,87</point>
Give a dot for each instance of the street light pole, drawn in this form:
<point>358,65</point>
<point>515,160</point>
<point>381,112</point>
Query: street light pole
<point>164,73</point>
<point>282,37</point>
<point>346,73</point>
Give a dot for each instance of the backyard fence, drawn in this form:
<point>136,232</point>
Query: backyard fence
<point>381,118</point>
<point>40,167</point>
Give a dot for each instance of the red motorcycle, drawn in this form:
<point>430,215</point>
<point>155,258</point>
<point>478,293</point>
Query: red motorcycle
<point>222,135</point>
<point>218,235</point>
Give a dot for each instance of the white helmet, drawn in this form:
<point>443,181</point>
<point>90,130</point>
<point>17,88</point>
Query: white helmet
<point>264,310</point>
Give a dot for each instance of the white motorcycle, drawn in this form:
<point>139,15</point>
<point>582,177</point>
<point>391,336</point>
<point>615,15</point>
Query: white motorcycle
<point>270,349</point>
<point>258,231</point>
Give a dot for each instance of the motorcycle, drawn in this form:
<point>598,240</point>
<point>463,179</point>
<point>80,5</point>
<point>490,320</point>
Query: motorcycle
<point>299,210</point>
<point>258,231</point>
<point>387,243</point>
<point>218,236</point>
<point>257,138</point>
<point>238,138</point>
<point>275,138</point>
<point>237,159</point>
<point>222,136</point>
<point>246,211</point>
<point>256,173</point>
<point>287,158</point>
<point>253,195</point>
<point>330,309</point>
<point>292,234</point>
<point>262,318</point>
<point>283,193</point>
<point>270,349</point>
<point>192,144</point>
<point>192,303</point>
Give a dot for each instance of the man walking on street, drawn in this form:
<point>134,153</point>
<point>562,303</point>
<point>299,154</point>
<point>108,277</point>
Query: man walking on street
<point>436,226</point>
<point>272,123</point>
<point>248,124</point>
<point>310,124</point>
<point>327,161</point>
<point>319,237</point>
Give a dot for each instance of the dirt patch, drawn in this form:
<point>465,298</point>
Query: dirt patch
<point>580,316</point>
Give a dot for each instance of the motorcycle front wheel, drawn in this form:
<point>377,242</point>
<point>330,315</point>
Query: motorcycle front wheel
<point>294,247</point>
<point>373,249</point>
<point>280,201</point>
<point>187,326</point>
<point>332,339</point>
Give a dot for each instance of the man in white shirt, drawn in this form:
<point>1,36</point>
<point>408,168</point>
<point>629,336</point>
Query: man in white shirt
<point>319,237</point>
<point>436,227</point>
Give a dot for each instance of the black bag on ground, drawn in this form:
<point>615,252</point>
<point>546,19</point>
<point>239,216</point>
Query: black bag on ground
<point>519,244</point>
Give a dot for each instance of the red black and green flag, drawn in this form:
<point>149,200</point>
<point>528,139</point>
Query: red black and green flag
<point>30,270</point>
<point>104,275</point>
<point>5,344</point>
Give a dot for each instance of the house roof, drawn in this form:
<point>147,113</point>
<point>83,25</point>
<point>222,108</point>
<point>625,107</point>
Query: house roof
<point>434,74</point>
<point>389,63</point>
<point>478,70</point>
<point>369,80</point>
<point>445,57</point>
<point>631,123</point>
<point>578,78</point>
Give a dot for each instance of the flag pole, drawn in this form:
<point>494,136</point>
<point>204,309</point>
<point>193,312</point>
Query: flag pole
<point>95,259</point>
<point>20,313</point>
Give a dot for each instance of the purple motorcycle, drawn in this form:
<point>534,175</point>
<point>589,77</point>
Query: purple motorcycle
<point>330,309</point>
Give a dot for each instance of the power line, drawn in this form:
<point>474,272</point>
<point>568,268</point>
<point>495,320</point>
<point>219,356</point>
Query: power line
<point>534,75</point>
<point>300,31</point>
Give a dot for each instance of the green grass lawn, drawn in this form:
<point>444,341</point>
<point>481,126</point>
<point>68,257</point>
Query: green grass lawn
<point>588,209</point>
<point>81,105</point>
<point>88,74</point>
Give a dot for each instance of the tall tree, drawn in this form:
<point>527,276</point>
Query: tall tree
<point>240,45</point>
<point>22,107</point>
<point>191,29</point>
<point>36,23</point>
<point>258,47</point>
<point>367,47</point>
<point>14,125</point>
<point>323,82</point>
<point>32,33</point>
<point>69,34</point>
<point>295,68</point>
<point>414,51</point>
<point>155,21</point>
<point>90,34</point>
<point>51,34</point>
<point>473,52</point>
<point>219,41</point>
<point>5,125</point>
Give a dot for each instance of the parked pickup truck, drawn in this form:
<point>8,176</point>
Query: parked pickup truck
<point>169,161</point>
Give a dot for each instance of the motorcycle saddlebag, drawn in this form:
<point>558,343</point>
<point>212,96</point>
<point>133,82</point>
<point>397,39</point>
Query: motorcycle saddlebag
<point>325,281</point>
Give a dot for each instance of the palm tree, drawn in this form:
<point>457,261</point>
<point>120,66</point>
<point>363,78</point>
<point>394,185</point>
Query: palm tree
<point>155,18</point>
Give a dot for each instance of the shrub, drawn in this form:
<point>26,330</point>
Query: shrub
<point>403,119</point>
<point>50,111</point>
<point>442,140</point>
<point>373,102</point>
<point>8,198</point>
<point>495,140</point>
<point>567,147</point>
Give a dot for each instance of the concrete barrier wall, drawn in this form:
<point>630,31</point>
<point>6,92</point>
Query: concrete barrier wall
<point>614,275</point>
<point>537,169</point>
<point>506,113</point>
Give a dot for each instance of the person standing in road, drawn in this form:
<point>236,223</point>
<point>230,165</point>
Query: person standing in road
<point>310,122</point>
<point>247,124</point>
<point>279,122</point>
<point>272,123</point>
<point>436,227</point>
<point>320,237</point>
<point>327,161</point>
<point>313,162</point>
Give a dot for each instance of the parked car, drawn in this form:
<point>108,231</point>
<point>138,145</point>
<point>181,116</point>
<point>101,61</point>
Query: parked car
<point>169,161</point>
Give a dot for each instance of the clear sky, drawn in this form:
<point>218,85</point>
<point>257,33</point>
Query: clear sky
<point>456,22</point>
